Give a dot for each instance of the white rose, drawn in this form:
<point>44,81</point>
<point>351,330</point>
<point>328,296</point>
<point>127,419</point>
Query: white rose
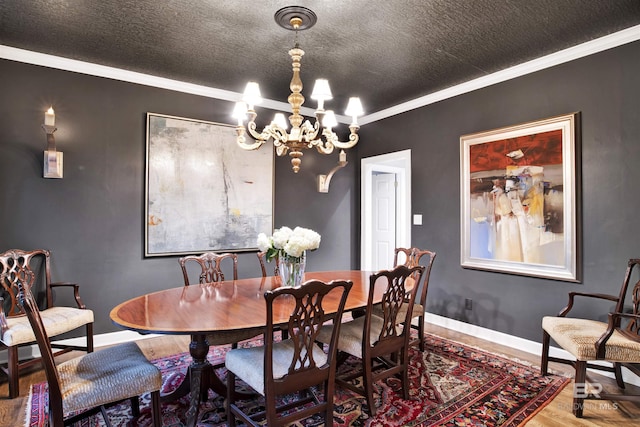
<point>281,236</point>
<point>264,242</point>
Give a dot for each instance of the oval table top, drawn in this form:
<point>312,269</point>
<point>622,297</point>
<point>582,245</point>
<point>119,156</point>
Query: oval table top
<point>225,306</point>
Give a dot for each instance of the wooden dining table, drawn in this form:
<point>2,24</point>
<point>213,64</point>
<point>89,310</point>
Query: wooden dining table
<point>221,308</point>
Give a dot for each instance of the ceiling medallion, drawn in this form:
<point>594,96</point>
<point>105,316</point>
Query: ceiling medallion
<point>303,134</point>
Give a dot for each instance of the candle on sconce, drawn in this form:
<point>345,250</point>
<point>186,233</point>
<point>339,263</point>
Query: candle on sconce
<point>50,117</point>
<point>343,156</point>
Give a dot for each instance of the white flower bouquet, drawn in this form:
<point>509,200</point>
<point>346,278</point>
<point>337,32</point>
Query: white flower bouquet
<point>287,243</point>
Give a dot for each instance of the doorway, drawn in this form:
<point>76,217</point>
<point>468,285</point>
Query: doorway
<point>385,208</point>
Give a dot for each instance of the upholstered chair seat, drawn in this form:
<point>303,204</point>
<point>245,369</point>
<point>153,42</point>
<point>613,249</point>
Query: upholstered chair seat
<point>351,334</point>
<point>109,375</point>
<point>577,336</point>
<point>248,363</point>
<point>57,320</point>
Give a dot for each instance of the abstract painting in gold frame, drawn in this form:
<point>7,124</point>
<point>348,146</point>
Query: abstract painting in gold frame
<point>519,199</point>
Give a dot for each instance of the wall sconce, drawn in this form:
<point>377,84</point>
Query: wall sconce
<point>52,158</point>
<point>324,180</point>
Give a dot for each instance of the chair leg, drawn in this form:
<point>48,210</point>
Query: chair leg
<point>231,386</point>
<point>544,364</point>
<point>579,388</point>
<point>421,332</point>
<point>328,398</point>
<point>617,369</point>
<point>135,406</point>
<point>404,359</point>
<point>89,337</point>
<point>103,411</point>
<point>13,371</point>
<point>155,409</point>
<point>367,377</point>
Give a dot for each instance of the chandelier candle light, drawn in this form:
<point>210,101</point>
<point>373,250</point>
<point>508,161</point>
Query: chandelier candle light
<point>289,248</point>
<point>303,134</point>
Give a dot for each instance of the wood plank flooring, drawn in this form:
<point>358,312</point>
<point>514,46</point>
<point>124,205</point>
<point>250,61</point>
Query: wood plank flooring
<point>557,413</point>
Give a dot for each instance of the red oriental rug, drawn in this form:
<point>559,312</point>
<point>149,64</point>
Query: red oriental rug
<point>452,385</point>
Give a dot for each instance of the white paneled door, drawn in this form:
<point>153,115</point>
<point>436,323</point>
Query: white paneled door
<point>384,219</point>
<point>385,208</point>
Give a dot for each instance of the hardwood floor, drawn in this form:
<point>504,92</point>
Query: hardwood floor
<point>557,413</point>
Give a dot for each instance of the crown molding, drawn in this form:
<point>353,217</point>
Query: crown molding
<point>585,49</point>
<point>579,51</point>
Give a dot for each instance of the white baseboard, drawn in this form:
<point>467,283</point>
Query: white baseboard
<point>512,341</point>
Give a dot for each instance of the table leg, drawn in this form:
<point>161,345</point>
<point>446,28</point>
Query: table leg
<point>199,370</point>
<point>200,377</point>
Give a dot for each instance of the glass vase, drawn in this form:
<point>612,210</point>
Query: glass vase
<point>291,269</point>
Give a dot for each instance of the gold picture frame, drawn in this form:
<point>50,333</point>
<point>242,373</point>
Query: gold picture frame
<point>519,199</point>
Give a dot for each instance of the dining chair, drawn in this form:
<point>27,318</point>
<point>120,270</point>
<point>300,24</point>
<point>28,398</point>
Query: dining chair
<point>263,264</point>
<point>293,365</point>
<point>35,267</point>
<point>380,342</point>
<point>412,257</point>
<point>616,341</point>
<point>86,385</point>
<point>210,270</point>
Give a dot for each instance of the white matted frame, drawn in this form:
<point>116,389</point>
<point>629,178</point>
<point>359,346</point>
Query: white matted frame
<point>203,192</point>
<point>519,199</point>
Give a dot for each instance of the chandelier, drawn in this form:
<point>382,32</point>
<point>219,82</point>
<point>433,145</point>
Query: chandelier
<point>303,134</point>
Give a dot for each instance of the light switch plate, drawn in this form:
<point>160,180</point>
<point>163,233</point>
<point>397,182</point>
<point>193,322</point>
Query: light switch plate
<point>417,219</point>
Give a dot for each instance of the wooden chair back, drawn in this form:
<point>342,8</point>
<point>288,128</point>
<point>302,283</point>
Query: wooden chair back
<point>17,265</point>
<point>412,257</point>
<point>308,366</point>
<point>30,308</point>
<point>394,285</point>
<point>306,319</point>
<point>623,320</point>
<point>211,267</point>
<point>263,264</point>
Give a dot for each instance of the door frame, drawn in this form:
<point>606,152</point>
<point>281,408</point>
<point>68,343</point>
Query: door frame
<point>399,163</point>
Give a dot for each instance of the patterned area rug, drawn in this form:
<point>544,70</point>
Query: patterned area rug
<point>451,385</point>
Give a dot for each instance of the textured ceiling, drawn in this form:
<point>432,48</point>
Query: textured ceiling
<point>387,52</point>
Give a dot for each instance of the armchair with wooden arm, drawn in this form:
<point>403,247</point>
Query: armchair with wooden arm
<point>587,340</point>
<point>17,265</point>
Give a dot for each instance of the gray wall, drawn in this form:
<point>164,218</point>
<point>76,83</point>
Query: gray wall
<point>605,88</point>
<point>92,219</point>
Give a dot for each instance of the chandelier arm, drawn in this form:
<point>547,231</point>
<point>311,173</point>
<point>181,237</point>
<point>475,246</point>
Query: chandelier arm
<point>324,146</point>
<point>309,133</point>
<point>258,136</point>
<point>353,139</point>
<point>242,140</point>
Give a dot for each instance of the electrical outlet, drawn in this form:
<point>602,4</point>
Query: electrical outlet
<point>468,304</point>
